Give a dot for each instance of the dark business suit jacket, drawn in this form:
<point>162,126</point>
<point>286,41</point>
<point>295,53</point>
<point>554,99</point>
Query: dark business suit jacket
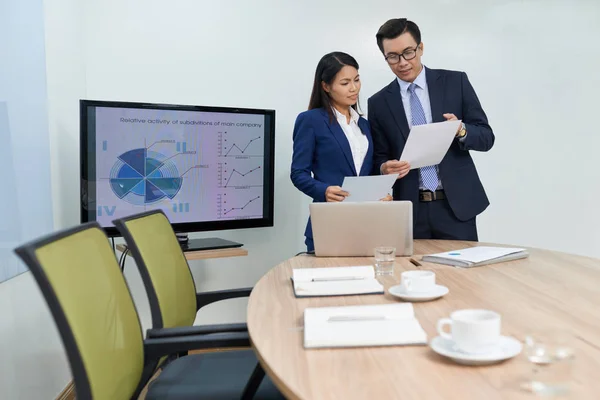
<point>322,155</point>
<point>449,92</point>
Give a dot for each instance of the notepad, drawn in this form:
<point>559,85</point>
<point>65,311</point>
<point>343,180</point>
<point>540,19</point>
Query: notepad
<point>361,326</point>
<point>477,256</point>
<point>336,281</point>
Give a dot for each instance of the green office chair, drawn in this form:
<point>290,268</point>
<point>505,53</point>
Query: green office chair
<point>78,274</point>
<point>169,283</point>
<point>165,272</point>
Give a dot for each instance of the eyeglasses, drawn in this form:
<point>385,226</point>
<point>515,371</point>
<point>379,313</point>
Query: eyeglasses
<point>409,54</point>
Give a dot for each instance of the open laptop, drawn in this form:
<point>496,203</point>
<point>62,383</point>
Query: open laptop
<point>355,229</point>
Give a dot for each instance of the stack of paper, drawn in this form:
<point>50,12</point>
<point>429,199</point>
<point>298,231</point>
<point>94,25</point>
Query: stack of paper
<point>477,256</point>
<point>359,326</point>
<point>428,144</point>
<point>335,281</point>
<point>368,188</point>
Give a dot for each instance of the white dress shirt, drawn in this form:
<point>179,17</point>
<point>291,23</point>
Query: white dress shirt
<point>422,92</point>
<point>359,144</point>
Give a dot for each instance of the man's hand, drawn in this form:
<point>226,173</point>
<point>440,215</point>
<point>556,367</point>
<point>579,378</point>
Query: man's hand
<point>452,117</point>
<point>335,193</point>
<point>402,168</point>
<point>387,198</point>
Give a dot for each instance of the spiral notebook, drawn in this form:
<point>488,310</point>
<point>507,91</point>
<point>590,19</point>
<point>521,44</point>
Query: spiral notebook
<point>477,256</point>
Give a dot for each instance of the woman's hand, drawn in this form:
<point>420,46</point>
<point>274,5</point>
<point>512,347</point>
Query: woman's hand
<point>402,168</point>
<point>335,193</point>
<point>387,198</point>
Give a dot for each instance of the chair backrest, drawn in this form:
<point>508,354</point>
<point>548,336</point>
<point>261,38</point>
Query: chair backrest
<point>164,269</point>
<point>78,274</point>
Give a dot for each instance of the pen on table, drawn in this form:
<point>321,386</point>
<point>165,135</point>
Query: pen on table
<point>342,318</point>
<point>338,278</point>
<point>415,262</point>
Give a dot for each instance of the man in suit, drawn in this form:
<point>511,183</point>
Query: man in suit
<point>446,197</point>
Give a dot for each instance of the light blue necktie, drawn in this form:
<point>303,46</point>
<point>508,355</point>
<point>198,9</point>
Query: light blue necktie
<point>428,175</point>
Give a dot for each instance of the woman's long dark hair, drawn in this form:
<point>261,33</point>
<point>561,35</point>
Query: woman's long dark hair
<point>328,67</point>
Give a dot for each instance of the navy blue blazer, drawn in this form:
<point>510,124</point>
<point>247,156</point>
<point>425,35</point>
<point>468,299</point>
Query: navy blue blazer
<point>449,92</point>
<point>322,155</point>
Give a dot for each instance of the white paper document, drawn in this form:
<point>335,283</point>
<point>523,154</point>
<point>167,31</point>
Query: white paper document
<point>335,281</point>
<point>368,188</point>
<point>428,144</point>
<point>477,256</point>
<point>359,326</point>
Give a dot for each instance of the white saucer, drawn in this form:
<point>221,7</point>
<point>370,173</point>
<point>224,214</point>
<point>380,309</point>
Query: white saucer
<point>399,291</point>
<point>508,347</point>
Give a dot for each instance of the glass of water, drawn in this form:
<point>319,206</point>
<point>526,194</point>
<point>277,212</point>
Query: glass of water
<point>385,257</point>
<point>551,354</point>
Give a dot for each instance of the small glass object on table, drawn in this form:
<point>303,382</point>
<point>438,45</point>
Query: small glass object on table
<point>385,257</point>
<point>551,353</point>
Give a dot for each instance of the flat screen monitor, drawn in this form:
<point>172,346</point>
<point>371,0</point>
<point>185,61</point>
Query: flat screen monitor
<point>207,168</point>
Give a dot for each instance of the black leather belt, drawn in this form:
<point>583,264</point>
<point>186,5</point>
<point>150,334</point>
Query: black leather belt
<point>427,195</point>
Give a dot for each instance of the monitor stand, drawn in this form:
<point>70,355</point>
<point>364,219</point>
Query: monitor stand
<point>204,244</point>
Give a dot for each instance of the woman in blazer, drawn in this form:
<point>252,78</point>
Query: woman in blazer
<point>331,140</point>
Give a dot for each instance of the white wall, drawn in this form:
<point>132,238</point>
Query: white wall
<point>533,64</point>
<point>26,205</point>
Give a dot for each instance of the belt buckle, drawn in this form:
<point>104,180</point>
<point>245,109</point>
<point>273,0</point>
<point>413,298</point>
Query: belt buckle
<point>427,196</point>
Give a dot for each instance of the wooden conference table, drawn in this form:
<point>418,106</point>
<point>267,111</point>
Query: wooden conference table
<point>547,290</point>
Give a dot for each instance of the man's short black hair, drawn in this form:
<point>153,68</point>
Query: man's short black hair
<point>396,27</point>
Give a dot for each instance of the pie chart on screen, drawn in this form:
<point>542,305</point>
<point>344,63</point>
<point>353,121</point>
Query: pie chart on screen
<point>143,177</point>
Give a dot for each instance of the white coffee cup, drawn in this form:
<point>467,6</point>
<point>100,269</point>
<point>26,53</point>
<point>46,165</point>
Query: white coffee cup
<point>472,331</point>
<point>418,281</point>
